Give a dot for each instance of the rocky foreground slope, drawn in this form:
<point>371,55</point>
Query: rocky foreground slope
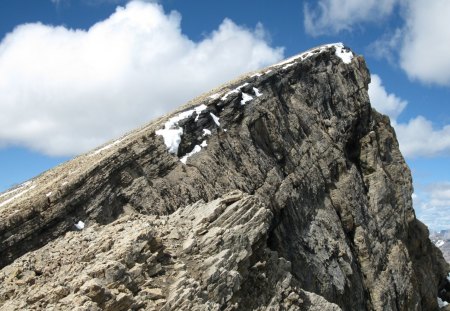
<point>282,190</point>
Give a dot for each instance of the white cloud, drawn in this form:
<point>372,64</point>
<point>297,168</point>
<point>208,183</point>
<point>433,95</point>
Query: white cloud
<point>96,2</point>
<point>432,205</point>
<point>425,50</point>
<point>417,137</point>
<point>387,46</point>
<point>419,45</point>
<point>65,91</point>
<point>383,102</point>
<point>333,16</point>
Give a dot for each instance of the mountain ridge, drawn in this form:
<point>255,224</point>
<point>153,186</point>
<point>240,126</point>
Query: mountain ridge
<point>309,153</point>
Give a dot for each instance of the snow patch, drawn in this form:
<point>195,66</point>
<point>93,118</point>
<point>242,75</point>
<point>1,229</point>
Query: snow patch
<point>199,110</point>
<point>204,144</point>
<point>21,186</point>
<point>258,74</point>
<point>172,138</point>
<point>288,65</point>
<point>245,98</point>
<point>214,96</point>
<point>206,132</point>
<point>343,53</point>
<point>236,90</point>
<point>196,149</point>
<point>17,195</point>
<point>106,147</point>
<point>442,303</point>
<point>257,92</point>
<point>171,133</point>
<point>48,194</point>
<point>79,225</point>
<point>439,243</point>
<point>286,61</point>
<point>215,118</point>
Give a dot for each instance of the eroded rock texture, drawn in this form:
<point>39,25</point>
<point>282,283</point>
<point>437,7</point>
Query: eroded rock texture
<point>297,199</point>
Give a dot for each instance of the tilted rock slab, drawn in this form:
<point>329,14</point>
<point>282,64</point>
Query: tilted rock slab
<point>282,190</point>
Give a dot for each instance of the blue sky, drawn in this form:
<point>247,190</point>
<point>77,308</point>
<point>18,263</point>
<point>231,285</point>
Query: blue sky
<point>75,74</point>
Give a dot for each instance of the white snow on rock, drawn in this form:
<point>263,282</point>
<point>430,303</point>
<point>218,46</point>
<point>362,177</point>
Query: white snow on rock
<point>199,110</point>
<point>9,192</point>
<point>214,96</point>
<point>79,225</point>
<point>172,138</point>
<point>196,149</point>
<point>236,90</point>
<point>343,54</point>
<point>288,65</point>
<point>245,98</point>
<point>18,194</point>
<point>215,118</point>
<point>21,186</point>
<point>258,74</point>
<point>106,147</point>
<point>286,61</point>
<point>171,133</point>
<point>439,243</point>
<point>257,92</point>
<point>442,303</point>
<point>48,194</point>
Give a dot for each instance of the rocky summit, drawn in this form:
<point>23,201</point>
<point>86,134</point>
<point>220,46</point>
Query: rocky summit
<point>281,190</point>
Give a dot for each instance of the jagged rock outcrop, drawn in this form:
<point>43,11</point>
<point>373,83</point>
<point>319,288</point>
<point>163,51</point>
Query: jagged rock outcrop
<point>205,256</point>
<point>282,190</point>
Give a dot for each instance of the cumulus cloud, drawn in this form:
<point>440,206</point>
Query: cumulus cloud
<point>383,102</point>
<point>432,205</point>
<point>419,45</point>
<point>64,91</point>
<point>96,2</point>
<point>333,16</point>
<point>417,137</point>
<point>424,53</point>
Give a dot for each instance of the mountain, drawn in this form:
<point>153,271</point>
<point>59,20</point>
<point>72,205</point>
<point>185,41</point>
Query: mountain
<point>442,240</point>
<point>281,190</point>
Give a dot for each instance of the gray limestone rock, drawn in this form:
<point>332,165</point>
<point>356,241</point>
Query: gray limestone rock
<point>287,191</point>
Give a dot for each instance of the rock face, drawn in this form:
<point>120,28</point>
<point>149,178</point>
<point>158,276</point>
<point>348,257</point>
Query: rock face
<point>282,190</point>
